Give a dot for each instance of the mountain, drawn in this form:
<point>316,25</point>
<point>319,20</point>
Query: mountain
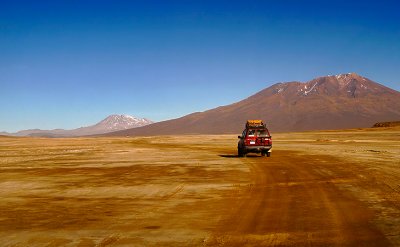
<point>109,124</point>
<point>112,123</point>
<point>39,132</point>
<point>329,102</point>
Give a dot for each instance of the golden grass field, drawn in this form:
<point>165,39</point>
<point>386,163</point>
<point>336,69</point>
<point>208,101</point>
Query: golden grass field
<point>326,188</point>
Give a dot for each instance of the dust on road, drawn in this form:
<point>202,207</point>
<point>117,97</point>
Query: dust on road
<point>317,189</point>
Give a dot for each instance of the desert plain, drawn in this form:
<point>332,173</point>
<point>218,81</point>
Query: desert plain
<point>318,188</point>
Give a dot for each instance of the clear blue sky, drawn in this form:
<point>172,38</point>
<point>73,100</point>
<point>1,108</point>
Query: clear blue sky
<point>66,64</point>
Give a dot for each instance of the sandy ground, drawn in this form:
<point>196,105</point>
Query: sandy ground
<point>332,188</point>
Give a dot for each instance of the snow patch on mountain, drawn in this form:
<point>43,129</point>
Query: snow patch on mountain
<point>279,88</point>
<point>312,88</point>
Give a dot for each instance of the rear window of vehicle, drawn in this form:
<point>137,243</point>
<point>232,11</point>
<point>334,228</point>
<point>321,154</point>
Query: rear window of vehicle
<point>251,133</point>
<point>262,133</point>
<point>257,133</point>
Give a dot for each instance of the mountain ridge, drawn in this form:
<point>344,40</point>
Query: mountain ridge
<point>111,123</point>
<point>327,102</point>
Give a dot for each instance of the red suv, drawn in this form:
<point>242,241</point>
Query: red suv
<point>255,139</point>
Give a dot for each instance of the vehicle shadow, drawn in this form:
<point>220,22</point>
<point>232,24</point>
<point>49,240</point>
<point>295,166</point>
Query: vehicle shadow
<point>236,156</point>
<point>228,155</point>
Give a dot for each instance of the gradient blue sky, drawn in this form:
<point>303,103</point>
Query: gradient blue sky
<point>66,64</point>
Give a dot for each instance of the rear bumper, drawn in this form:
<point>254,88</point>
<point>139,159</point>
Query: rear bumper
<point>257,149</point>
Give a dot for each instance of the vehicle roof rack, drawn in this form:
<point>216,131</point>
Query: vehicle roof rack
<point>255,124</point>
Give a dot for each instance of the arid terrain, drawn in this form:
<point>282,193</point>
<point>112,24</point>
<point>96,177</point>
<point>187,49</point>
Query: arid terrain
<point>331,188</point>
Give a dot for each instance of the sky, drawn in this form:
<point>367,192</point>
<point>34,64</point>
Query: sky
<point>67,64</point>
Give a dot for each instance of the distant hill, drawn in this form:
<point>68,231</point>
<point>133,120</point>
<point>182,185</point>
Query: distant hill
<point>387,124</point>
<point>109,124</point>
<point>329,102</point>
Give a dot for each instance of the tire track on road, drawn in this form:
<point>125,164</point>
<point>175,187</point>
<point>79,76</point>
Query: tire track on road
<point>291,203</point>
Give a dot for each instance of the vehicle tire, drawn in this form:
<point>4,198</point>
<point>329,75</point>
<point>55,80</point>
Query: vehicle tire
<point>240,153</point>
<point>268,154</point>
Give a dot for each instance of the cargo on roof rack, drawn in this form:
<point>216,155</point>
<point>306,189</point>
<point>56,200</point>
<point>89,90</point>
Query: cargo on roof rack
<point>255,124</point>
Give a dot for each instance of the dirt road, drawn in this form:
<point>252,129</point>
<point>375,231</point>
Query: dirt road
<point>294,200</point>
<point>317,189</point>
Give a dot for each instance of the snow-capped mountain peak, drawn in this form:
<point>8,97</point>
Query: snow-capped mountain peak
<point>120,122</point>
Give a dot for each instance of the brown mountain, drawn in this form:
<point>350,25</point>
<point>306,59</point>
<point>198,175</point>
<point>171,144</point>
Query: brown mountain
<point>330,102</point>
